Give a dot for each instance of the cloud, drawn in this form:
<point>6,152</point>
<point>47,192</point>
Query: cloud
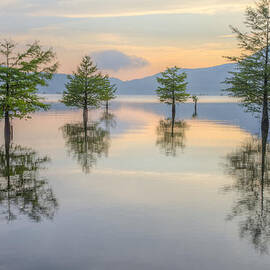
<point>227,36</point>
<point>115,60</point>
<point>118,8</point>
<point>209,10</point>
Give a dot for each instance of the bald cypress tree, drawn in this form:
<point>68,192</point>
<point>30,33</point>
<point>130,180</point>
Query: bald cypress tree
<point>21,72</point>
<point>108,91</point>
<point>172,87</point>
<point>250,81</point>
<point>84,88</point>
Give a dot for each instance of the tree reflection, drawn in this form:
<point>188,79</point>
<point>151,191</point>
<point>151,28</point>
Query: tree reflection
<point>250,165</point>
<point>87,141</point>
<point>171,136</point>
<point>109,120</point>
<point>22,190</point>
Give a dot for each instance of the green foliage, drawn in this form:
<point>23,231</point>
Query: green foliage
<point>173,86</point>
<point>195,98</point>
<point>87,87</point>
<point>20,75</point>
<point>108,90</point>
<point>250,80</point>
<point>82,90</point>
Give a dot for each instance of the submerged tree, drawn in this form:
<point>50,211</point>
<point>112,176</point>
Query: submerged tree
<point>108,92</point>
<point>83,89</point>
<point>172,87</point>
<point>195,100</point>
<point>87,87</point>
<point>109,121</point>
<point>252,186</point>
<point>171,136</point>
<point>86,142</point>
<point>22,190</point>
<point>20,75</point>
<point>250,80</point>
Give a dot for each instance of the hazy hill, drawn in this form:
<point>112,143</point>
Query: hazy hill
<point>205,81</point>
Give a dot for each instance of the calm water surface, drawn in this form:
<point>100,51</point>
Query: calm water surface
<point>123,193</point>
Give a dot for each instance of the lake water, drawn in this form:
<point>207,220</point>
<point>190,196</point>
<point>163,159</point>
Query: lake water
<point>124,194</point>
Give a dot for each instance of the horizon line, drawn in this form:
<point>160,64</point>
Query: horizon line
<point>61,73</point>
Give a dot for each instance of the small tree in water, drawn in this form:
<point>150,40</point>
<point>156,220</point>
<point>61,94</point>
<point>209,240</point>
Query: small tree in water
<point>87,87</point>
<point>195,100</point>
<point>20,75</point>
<point>108,92</point>
<point>84,87</point>
<point>172,87</point>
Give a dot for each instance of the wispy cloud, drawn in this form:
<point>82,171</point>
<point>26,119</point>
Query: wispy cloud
<point>7,3</point>
<point>206,9</point>
<point>227,36</point>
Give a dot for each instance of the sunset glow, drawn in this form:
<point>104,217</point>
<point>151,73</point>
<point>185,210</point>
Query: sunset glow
<point>151,35</point>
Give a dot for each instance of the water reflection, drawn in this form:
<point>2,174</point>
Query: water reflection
<point>250,165</point>
<point>171,136</point>
<point>22,190</point>
<point>109,120</point>
<point>88,141</point>
<point>194,115</point>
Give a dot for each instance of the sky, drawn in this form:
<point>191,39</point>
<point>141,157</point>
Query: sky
<point>128,39</point>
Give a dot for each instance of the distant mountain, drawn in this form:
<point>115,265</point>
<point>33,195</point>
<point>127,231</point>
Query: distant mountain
<point>201,81</point>
<point>56,85</point>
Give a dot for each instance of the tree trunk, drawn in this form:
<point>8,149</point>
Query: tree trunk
<point>85,123</point>
<point>7,118</point>
<point>173,110</point>
<point>195,109</point>
<point>7,130</point>
<point>85,115</point>
<point>264,133</point>
<point>173,118</point>
<point>264,146</point>
<point>7,152</point>
<point>173,122</point>
<point>265,116</point>
<point>173,104</point>
<point>85,107</point>
<point>85,130</point>
<point>107,106</point>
